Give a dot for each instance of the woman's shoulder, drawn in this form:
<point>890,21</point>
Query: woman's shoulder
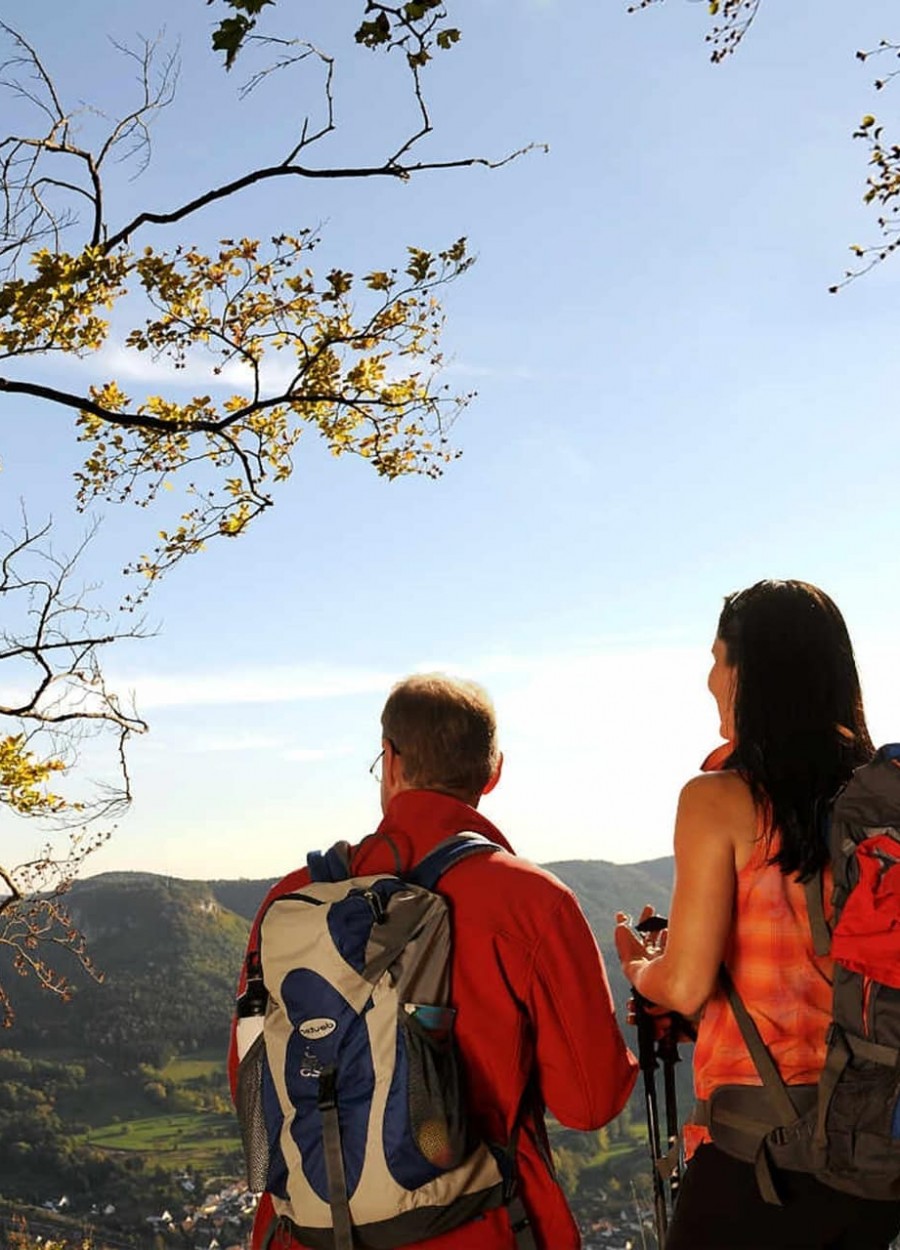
<point>724,785</point>
<point>723,799</point>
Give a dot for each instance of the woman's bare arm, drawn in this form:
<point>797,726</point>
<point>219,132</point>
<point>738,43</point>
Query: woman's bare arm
<point>714,832</point>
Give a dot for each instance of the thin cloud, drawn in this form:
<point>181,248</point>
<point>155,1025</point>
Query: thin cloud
<point>311,755</point>
<point>142,369</point>
<point>132,368</point>
<point>595,665</point>
<point>243,686</point>
<point>517,373</point>
<point>235,742</point>
<point>247,743</point>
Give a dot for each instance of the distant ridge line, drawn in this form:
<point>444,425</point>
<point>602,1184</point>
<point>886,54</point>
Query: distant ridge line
<point>658,866</point>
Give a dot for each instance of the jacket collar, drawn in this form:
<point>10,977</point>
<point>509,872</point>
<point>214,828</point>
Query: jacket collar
<point>416,821</point>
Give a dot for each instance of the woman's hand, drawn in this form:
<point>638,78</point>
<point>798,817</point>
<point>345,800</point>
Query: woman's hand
<point>636,949</point>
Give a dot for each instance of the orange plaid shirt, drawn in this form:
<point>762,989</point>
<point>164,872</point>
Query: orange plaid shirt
<point>785,986</point>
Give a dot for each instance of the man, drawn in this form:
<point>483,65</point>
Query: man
<point>535,1021</point>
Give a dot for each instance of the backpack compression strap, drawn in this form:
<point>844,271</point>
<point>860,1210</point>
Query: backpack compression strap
<point>338,1198</point>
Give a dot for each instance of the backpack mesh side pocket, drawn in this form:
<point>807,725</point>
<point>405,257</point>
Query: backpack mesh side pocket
<point>436,1107</point>
<point>249,1106</point>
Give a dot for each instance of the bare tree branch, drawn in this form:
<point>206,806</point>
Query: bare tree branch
<point>48,631</point>
<point>732,20</point>
<point>390,169</point>
<point>136,124</point>
<point>50,650</point>
<point>27,217</point>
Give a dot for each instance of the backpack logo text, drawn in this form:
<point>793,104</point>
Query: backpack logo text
<point>321,1026</point>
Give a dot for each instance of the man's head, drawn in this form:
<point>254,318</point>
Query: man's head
<point>439,733</point>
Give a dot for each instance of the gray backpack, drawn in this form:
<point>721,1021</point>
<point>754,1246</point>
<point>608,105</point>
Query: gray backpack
<point>846,1129</point>
<point>350,1099</point>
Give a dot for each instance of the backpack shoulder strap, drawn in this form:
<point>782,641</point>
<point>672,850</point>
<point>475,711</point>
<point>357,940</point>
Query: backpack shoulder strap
<point>778,1093</point>
<point>334,864</point>
<point>428,871</point>
<point>330,865</point>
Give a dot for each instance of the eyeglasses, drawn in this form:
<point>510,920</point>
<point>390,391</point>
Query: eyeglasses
<point>376,766</point>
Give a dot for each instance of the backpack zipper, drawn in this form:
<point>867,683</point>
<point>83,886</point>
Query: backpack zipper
<point>303,898</point>
<point>376,906</point>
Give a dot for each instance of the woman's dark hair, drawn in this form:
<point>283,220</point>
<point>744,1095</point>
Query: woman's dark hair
<point>799,724</point>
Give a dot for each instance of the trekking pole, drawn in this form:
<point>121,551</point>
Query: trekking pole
<point>648,1053</point>
<point>667,1049</point>
<point>648,1066</point>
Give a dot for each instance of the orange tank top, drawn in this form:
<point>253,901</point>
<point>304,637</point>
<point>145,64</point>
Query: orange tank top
<point>784,984</point>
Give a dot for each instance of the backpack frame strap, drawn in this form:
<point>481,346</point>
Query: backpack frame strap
<point>836,1059</point>
<point>520,1223</point>
<point>815,908</point>
<point>506,1157</point>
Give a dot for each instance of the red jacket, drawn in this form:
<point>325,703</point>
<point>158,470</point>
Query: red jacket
<point>531,995</point>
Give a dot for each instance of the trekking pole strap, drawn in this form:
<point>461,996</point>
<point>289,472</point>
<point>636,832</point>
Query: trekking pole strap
<point>668,1165</point>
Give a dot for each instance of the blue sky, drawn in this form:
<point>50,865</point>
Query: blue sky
<point>670,406</point>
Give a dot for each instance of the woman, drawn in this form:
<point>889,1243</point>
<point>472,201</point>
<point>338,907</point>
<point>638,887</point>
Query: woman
<point>748,834</point>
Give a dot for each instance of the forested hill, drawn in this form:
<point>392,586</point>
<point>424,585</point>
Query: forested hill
<point>170,951</point>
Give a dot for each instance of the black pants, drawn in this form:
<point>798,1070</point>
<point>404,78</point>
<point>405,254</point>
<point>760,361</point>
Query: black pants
<point>720,1208</point>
